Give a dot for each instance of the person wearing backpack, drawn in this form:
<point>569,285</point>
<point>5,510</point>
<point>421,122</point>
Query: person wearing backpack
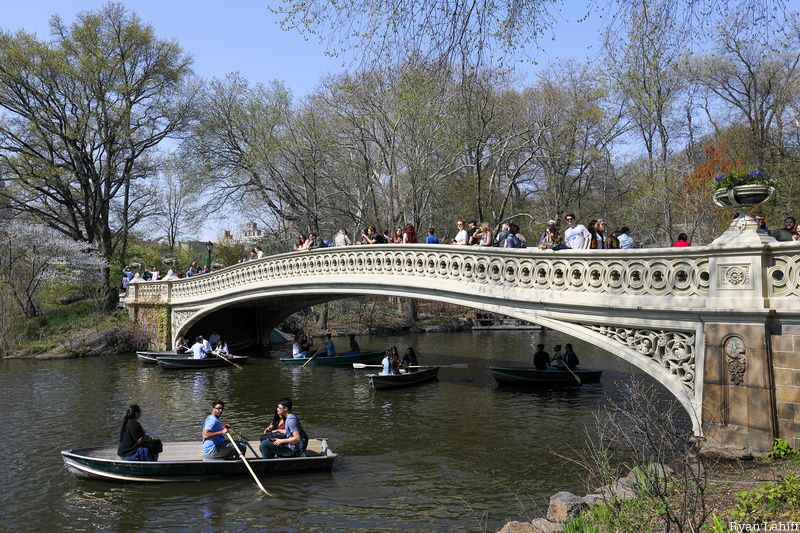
<point>294,441</point>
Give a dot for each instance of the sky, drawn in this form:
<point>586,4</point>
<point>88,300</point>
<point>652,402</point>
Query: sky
<point>244,36</point>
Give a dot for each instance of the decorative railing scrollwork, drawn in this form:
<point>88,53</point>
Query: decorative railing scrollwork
<point>676,275</point>
<point>673,350</point>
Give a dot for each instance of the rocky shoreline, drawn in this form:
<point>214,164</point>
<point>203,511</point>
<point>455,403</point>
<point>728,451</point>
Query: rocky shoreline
<point>565,506</point>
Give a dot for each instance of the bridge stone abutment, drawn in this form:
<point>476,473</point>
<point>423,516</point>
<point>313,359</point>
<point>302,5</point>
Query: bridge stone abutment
<point>718,326</point>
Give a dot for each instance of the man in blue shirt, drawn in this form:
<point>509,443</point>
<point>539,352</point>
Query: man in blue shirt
<point>431,238</point>
<point>198,348</point>
<point>215,444</point>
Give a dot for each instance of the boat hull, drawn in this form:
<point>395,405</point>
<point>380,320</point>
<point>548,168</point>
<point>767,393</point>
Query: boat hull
<point>337,360</point>
<point>409,379</point>
<point>532,377</point>
<point>178,361</point>
<point>183,462</point>
<point>151,358</point>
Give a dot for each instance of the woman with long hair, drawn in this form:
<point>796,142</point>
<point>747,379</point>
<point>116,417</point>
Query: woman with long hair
<point>131,438</point>
<point>409,234</point>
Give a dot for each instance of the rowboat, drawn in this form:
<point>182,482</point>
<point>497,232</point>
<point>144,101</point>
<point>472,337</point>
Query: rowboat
<point>183,461</point>
<point>337,360</point>
<point>211,361</point>
<point>151,358</point>
<point>405,379</point>
<point>530,376</point>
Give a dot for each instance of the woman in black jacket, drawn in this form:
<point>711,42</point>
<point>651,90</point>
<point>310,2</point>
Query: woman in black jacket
<point>132,438</point>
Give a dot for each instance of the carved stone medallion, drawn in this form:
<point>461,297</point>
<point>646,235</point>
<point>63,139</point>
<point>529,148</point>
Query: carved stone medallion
<point>735,358</point>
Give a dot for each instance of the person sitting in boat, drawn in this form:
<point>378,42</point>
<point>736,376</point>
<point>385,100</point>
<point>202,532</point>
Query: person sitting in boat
<point>570,357</point>
<point>132,436</point>
<point>305,343</point>
<point>215,443</point>
<point>297,350</point>
<point>199,350</point>
<point>409,359</point>
<point>354,347</point>
<point>558,358</point>
<point>207,345</point>
<point>221,348</point>
<point>541,359</point>
<point>330,349</point>
<point>391,362</point>
<point>181,346</point>
<point>214,339</point>
<point>278,425</point>
<point>293,441</point>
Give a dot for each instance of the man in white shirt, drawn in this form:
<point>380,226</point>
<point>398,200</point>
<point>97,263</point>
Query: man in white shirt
<point>626,242</point>
<point>462,236</point>
<point>576,236</point>
<point>198,349</point>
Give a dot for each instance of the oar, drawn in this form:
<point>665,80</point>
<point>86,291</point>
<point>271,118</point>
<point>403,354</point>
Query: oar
<point>248,444</point>
<point>228,360</point>
<point>241,455</point>
<point>573,374</point>
<point>313,356</point>
<point>455,365</point>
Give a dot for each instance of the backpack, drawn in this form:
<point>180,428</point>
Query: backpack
<point>512,241</point>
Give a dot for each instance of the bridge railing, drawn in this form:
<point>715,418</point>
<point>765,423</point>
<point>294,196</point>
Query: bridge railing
<point>691,273</point>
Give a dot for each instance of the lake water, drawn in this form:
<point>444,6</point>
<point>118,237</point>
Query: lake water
<point>459,454</point>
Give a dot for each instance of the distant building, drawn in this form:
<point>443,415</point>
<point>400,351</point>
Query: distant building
<point>251,233</point>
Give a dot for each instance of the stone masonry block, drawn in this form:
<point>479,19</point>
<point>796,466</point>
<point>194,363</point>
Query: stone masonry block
<point>788,411</point>
<point>789,430</point>
<point>787,394</point>
<point>784,376</point>
<point>783,343</point>
<point>785,360</point>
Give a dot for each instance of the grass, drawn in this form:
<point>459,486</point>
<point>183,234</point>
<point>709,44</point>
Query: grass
<point>46,332</point>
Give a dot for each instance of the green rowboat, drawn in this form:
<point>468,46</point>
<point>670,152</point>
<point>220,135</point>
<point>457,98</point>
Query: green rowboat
<point>336,360</point>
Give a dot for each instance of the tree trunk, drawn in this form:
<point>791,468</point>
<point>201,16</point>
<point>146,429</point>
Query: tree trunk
<point>322,320</point>
<point>412,312</point>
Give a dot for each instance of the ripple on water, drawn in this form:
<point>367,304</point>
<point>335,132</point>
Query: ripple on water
<point>457,454</point>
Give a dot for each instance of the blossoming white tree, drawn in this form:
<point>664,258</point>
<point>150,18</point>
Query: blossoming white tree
<point>33,256</point>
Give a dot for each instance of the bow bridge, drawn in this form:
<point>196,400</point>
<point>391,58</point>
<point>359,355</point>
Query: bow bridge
<point>716,325</point>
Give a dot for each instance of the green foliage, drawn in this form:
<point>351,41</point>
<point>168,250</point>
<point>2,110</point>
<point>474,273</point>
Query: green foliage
<point>58,323</point>
<point>738,177</point>
<point>768,502</point>
<point>781,449</point>
<point>632,515</point>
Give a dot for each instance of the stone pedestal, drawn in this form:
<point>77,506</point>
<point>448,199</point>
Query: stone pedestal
<point>738,389</point>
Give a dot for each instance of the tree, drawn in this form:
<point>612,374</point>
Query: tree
<point>645,66</point>
<point>80,119</point>
<point>757,77</point>
<point>472,34</point>
<point>33,255</point>
<point>176,209</point>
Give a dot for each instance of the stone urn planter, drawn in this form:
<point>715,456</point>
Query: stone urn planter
<point>743,196</point>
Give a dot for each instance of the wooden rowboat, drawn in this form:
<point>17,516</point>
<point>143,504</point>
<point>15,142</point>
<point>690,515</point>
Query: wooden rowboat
<point>405,379</point>
<point>211,361</point>
<point>183,461</point>
<point>337,360</point>
<point>151,358</point>
<point>532,377</point>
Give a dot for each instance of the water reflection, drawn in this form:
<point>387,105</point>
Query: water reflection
<point>457,454</point>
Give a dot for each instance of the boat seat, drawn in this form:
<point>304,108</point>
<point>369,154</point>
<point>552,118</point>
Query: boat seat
<point>316,447</point>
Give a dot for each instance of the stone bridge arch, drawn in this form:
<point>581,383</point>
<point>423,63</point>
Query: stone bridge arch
<point>670,312</point>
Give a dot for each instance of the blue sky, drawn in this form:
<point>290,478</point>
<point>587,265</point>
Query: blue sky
<point>244,36</point>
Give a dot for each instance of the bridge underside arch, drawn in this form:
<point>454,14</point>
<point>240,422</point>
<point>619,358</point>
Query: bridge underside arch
<point>669,351</point>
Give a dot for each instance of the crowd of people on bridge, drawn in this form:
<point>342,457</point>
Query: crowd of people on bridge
<point>594,235</point>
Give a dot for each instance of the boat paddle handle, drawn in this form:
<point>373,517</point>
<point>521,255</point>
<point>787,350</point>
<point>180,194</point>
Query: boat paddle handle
<point>241,455</point>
